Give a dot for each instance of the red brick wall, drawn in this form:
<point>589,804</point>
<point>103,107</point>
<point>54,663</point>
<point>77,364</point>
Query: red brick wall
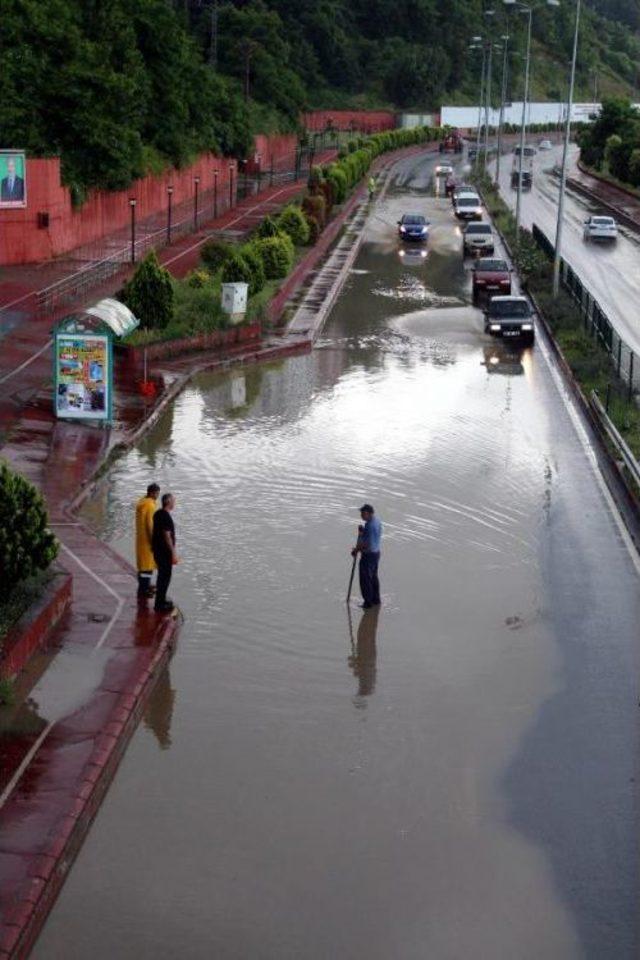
<point>367,121</point>
<point>103,212</point>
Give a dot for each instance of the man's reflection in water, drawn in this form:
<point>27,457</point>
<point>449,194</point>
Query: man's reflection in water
<point>159,709</point>
<point>363,652</point>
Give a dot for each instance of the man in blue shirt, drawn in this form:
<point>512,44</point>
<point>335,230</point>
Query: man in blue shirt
<point>368,546</point>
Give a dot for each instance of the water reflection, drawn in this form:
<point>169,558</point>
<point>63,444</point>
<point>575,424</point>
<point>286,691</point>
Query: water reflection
<point>363,659</point>
<point>158,711</point>
<point>503,358</point>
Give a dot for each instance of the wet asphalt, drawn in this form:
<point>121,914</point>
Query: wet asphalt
<point>452,776</point>
<point>609,270</point>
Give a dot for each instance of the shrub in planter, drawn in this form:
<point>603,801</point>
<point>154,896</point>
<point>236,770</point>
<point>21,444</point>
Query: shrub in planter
<point>268,228</point>
<point>26,543</point>
<point>327,190</point>
<point>277,256</point>
<point>315,178</point>
<point>292,222</point>
<point>214,253</point>
<point>149,293</point>
<point>315,206</point>
<point>253,258</point>
<point>314,228</point>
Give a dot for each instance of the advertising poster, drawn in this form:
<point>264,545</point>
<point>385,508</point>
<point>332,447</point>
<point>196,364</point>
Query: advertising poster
<point>13,179</point>
<point>83,376</point>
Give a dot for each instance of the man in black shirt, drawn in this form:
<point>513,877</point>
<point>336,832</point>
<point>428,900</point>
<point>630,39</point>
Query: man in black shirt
<point>163,544</point>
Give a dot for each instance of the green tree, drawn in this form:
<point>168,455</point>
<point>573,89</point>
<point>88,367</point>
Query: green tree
<point>26,543</point>
<point>292,222</point>
<point>149,293</point>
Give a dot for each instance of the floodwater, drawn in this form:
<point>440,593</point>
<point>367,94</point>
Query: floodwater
<point>449,777</point>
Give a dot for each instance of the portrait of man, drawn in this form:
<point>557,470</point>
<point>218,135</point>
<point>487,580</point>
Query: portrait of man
<point>12,189</point>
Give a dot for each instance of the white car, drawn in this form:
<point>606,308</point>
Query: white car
<point>477,239</point>
<point>600,228</point>
<point>444,170</point>
<point>545,145</point>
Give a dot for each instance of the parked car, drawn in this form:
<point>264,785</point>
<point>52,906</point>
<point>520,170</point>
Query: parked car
<point>444,170</point>
<point>545,145</point>
<point>600,228</point>
<point>467,206</point>
<point>413,226</point>
<point>509,317</point>
<point>477,238</point>
<point>491,276</point>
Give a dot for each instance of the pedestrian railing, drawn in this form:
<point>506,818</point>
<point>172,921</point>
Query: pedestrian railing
<point>595,320</point>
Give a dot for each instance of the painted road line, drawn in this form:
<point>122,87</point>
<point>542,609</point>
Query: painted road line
<point>26,363</point>
<point>119,600</point>
<point>26,760</point>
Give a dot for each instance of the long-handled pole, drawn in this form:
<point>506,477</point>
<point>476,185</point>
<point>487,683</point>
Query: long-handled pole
<point>487,107</point>
<point>565,151</point>
<point>353,567</point>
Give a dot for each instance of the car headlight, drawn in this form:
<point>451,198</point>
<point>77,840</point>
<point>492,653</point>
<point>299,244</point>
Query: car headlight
<point>527,326</point>
<point>403,229</point>
<point>495,326</point>
<point>425,229</point>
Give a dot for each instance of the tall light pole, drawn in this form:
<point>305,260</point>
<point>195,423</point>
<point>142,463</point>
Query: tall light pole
<point>565,152</point>
<point>478,44</point>
<point>132,207</point>
<point>528,10</point>
<point>487,105</point>
<point>503,95</point>
<point>169,204</point>
<point>196,185</point>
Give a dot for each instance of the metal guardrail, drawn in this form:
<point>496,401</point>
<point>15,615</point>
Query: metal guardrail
<point>596,322</point>
<point>617,439</point>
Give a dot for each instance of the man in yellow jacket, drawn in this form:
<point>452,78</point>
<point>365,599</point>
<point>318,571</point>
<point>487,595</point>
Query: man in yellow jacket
<point>145,509</point>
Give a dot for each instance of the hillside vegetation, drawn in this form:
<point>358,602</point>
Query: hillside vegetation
<point>118,87</point>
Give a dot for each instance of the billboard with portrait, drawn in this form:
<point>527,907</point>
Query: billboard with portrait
<point>83,376</point>
<point>13,179</point>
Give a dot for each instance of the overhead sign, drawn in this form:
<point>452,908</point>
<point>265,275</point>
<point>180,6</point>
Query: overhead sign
<point>13,179</point>
<point>83,369</point>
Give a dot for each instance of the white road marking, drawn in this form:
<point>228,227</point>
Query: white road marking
<point>26,760</point>
<point>26,363</point>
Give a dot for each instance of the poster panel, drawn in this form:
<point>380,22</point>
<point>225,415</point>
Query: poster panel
<point>83,376</point>
<point>13,179</point>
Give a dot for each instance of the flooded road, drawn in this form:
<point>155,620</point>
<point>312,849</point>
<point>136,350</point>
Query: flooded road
<point>450,776</point>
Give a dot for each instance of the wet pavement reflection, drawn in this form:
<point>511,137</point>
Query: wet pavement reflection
<point>451,776</point>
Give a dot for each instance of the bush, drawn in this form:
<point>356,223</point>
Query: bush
<point>237,269</point>
<point>26,543</point>
<point>198,279</point>
<point>214,253</point>
<point>253,258</point>
<point>267,228</point>
<point>314,229</point>
<point>315,206</point>
<point>277,255</point>
<point>149,293</point>
<point>292,222</point>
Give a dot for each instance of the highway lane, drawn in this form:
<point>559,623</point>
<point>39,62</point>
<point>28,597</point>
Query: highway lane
<point>610,272</point>
<point>454,776</point>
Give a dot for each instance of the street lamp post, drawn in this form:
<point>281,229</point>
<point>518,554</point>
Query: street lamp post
<point>196,184</point>
<point>503,95</point>
<point>215,193</point>
<point>478,44</point>
<point>132,207</point>
<point>565,152</point>
<point>528,10</point>
<point>169,205</point>
<point>259,162</point>
<point>230,184</point>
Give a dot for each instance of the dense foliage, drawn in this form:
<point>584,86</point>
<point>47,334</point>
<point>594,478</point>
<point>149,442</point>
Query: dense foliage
<point>26,543</point>
<point>149,293</point>
<point>612,143</point>
<point>119,87</point>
